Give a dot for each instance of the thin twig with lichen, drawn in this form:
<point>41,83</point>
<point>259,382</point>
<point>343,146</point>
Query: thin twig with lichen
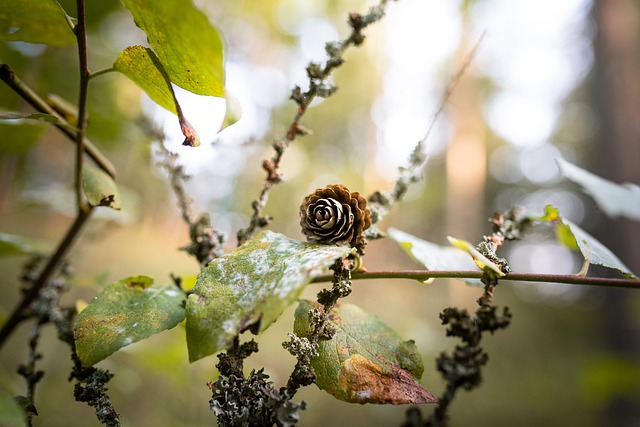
<point>319,86</point>
<point>380,203</point>
<point>206,241</point>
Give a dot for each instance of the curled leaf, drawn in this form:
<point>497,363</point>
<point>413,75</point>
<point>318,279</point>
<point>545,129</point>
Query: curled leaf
<point>99,188</point>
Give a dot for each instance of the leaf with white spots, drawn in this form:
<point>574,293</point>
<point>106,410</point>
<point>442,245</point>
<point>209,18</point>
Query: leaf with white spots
<point>125,312</point>
<point>250,287</point>
<point>365,361</point>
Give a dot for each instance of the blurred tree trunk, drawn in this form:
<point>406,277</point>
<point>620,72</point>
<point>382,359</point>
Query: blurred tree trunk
<point>616,92</point>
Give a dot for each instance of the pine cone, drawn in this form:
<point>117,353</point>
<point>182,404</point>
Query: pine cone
<point>334,215</point>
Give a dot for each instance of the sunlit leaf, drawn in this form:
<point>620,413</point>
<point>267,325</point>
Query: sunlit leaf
<point>99,188</point>
<point>39,117</point>
<point>432,256</point>
<point>614,199</point>
<point>143,67</point>
<point>17,245</point>
<point>188,46</point>
<point>11,415</point>
<point>481,261</point>
<point>140,65</point>
<point>233,111</point>
<point>35,21</point>
<point>366,361</point>
<point>575,237</point>
<point>250,287</point>
<point>125,312</point>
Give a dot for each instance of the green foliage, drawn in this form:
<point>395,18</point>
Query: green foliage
<point>125,312</point>
<point>433,256</point>
<point>250,287</point>
<point>575,237</point>
<point>188,46</point>
<point>11,415</point>
<point>35,21</point>
<point>142,66</point>
<point>614,199</point>
<point>365,361</point>
<point>100,188</point>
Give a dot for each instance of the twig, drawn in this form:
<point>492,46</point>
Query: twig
<point>47,272</point>
<point>81,35</point>
<point>318,87</point>
<point>8,76</point>
<point>381,203</point>
<point>423,275</point>
<point>206,242</point>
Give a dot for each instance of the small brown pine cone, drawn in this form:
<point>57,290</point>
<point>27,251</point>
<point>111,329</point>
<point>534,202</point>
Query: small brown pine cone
<point>335,216</point>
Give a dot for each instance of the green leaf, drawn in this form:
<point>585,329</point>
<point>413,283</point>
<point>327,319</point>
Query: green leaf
<point>11,244</point>
<point>233,111</point>
<point>574,237</point>
<point>38,117</point>
<point>141,65</point>
<point>432,256</point>
<point>125,312</point>
<point>188,46</point>
<point>366,361</point>
<point>250,287</point>
<point>35,21</point>
<point>11,415</point>
<point>99,188</point>
<point>614,199</point>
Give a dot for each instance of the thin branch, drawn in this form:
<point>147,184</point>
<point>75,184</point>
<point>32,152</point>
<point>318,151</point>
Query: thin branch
<point>206,241</point>
<point>81,34</point>
<point>423,275</point>
<point>8,76</point>
<point>381,203</point>
<point>47,272</point>
<point>318,87</point>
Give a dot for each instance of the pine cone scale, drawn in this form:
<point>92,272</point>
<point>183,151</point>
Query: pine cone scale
<point>334,215</point>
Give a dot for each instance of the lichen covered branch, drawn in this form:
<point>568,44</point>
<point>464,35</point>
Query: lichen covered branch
<point>319,86</point>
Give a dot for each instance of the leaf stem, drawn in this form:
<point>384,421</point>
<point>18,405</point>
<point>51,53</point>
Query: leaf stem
<point>422,275</point>
<point>21,88</point>
<point>102,72</point>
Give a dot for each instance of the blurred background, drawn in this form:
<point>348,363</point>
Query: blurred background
<point>551,79</point>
